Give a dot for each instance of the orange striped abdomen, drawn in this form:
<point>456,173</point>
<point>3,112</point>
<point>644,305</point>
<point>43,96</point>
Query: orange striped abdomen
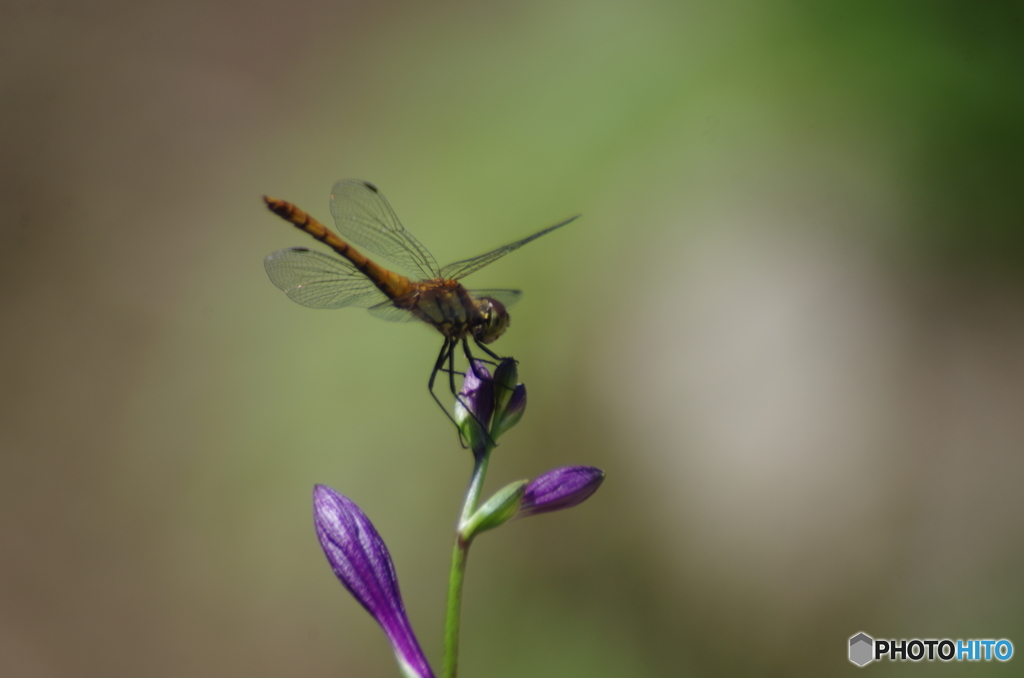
<point>390,283</point>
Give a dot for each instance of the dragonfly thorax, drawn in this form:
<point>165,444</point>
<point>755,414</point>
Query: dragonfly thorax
<point>454,311</point>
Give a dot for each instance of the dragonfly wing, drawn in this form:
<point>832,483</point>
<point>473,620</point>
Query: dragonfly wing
<point>506,297</point>
<point>319,281</point>
<point>460,269</point>
<point>387,310</point>
<point>363,215</point>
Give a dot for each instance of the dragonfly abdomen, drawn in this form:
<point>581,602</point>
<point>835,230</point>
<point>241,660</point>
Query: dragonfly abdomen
<point>390,283</point>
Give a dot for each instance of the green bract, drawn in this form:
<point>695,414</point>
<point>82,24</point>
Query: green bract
<point>497,510</point>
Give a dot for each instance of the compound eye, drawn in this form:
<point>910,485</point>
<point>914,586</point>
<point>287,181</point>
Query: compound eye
<point>495,321</point>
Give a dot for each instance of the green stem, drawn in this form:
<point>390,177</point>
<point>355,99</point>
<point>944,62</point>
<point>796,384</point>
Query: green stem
<point>476,486</point>
<point>451,630</point>
<point>458,571</point>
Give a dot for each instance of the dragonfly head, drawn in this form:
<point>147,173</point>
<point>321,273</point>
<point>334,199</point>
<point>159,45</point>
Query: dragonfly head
<point>494,320</point>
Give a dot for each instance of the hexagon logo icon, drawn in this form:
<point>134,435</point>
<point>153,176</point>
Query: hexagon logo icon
<point>861,649</point>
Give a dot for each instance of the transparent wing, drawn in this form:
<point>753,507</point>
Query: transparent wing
<point>460,269</point>
<point>363,216</point>
<point>387,310</point>
<point>506,297</point>
<point>319,281</point>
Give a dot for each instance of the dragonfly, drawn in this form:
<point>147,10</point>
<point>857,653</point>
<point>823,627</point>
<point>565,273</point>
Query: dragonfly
<point>434,295</point>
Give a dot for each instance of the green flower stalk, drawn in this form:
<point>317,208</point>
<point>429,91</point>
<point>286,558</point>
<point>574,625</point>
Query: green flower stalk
<point>487,407</point>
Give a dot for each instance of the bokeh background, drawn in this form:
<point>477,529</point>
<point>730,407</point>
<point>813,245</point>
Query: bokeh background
<point>790,327</point>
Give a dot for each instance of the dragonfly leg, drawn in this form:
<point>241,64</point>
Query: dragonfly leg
<point>447,349</point>
<point>448,354</point>
<point>451,371</point>
<point>486,350</point>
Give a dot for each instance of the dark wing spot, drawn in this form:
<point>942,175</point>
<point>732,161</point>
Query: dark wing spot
<point>300,249</point>
<point>371,186</point>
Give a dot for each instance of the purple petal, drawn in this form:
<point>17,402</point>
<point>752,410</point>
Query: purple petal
<point>475,406</point>
<point>478,392</point>
<point>517,403</point>
<point>511,412</point>
<point>362,563</point>
<point>506,376</point>
<point>560,488</point>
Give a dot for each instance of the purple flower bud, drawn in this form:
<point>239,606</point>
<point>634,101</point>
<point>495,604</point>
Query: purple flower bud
<point>506,376</point>
<point>475,405</point>
<point>512,411</point>
<point>509,397</point>
<point>559,489</point>
<point>362,563</point>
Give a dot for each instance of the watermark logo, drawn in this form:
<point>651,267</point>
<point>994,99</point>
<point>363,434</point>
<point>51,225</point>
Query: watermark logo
<point>864,649</point>
<point>861,649</point>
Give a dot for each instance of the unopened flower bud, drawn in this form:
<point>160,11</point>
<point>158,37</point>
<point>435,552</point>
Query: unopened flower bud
<point>363,565</point>
<point>509,396</point>
<point>560,488</point>
<point>474,407</point>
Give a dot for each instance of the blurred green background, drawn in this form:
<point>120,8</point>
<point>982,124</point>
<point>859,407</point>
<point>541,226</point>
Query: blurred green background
<point>790,327</point>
